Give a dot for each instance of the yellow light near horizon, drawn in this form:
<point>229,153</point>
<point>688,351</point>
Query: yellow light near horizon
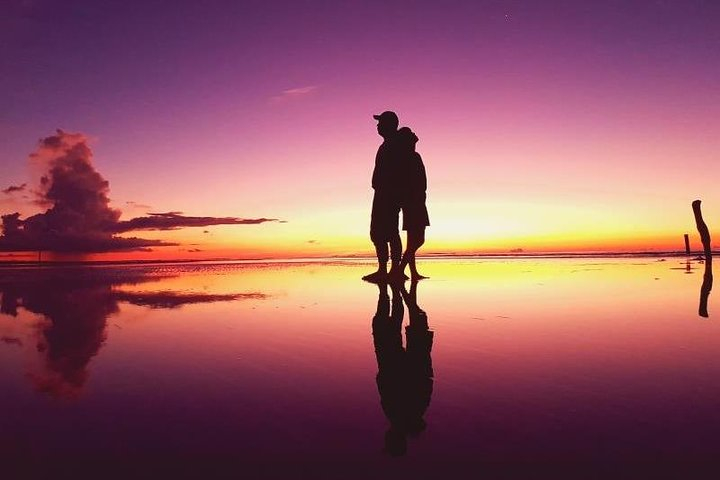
<point>485,224</point>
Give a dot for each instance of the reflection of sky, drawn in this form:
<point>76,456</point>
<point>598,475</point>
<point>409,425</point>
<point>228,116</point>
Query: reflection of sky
<point>75,305</point>
<point>533,360</point>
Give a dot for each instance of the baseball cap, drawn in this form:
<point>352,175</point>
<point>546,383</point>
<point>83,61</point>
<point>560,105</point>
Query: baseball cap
<point>387,116</point>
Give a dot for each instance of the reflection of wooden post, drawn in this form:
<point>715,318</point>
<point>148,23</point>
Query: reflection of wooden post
<point>707,277</point>
<point>687,244</point>
<point>706,287</point>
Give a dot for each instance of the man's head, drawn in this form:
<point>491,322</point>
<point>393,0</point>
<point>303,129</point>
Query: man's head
<point>387,123</point>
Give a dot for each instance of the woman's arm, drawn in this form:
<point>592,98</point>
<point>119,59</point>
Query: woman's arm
<point>421,175</point>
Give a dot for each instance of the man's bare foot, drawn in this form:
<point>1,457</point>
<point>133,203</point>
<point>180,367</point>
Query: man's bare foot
<point>376,277</point>
<point>415,276</point>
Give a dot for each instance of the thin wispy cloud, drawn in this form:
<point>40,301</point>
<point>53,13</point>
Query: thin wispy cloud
<point>294,93</point>
<point>139,206</point>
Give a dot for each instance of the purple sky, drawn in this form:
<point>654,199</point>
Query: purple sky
<point>256,109</point>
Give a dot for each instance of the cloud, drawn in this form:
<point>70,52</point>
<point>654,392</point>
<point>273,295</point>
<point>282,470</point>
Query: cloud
<point>293,93</point>
<point>79,217</point>
<point>174,220</point>
<point>39,233</point>
<point>140,206</point>
<point>14,188</point>
<point>11,341</point>
<point>300,91</point>
<point>170,299</point>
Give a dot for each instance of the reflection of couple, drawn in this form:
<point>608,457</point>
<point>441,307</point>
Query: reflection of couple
<point>399,181</point>
<point>405,375</point>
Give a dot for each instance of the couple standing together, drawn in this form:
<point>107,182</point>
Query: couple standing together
<point>399,182</point>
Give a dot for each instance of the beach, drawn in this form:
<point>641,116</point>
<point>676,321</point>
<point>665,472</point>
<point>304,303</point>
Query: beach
<point>273,367</point>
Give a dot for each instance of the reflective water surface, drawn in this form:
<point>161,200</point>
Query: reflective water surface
<point>271,370</point>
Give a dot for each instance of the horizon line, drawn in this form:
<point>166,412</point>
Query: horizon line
<point>429,256</point>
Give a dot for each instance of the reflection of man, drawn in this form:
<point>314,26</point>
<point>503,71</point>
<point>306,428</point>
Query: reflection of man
<point>386,204</point>
<point>405,375</point>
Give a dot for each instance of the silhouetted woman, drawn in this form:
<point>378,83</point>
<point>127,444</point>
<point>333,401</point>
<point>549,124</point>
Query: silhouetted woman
<point>412,201</point>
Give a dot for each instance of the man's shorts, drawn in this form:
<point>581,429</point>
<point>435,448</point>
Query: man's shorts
<point>384,218</point>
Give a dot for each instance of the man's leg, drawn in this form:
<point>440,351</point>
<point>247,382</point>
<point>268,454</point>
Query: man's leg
<point>394,236</point>
<point>381,250</point>
<point>379,236</point>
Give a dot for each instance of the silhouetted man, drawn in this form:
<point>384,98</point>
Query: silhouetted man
<point>386,204</point>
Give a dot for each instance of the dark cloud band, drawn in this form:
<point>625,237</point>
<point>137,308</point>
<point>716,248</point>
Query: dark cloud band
<point>14,189</point>
<point>174,220</point>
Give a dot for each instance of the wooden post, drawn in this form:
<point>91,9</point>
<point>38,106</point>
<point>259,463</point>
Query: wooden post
<point>687,244</point>
<point>708,276</point>
<point>702,228</point>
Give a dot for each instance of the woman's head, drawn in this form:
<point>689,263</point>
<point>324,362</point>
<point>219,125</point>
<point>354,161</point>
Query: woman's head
<point>407,138</point>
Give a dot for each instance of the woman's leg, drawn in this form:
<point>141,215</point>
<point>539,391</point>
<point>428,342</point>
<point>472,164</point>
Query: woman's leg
<point>418,241</point>
<point>415,239</point>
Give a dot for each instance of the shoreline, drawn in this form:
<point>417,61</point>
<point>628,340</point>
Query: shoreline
<point>352,259</point>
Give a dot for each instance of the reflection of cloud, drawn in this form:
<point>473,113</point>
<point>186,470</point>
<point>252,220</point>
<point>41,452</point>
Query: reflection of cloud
<point>14,188</point>
<point>11,340</point>
<point>177,299</point>
<point>293,93</point>
<point>76,303</point>
<point>79,217</point>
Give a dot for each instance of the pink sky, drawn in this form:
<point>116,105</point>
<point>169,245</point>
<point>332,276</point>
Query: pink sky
<point>570,126</point>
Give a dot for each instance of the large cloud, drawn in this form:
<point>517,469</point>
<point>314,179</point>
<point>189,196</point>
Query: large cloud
<point>79,217</point>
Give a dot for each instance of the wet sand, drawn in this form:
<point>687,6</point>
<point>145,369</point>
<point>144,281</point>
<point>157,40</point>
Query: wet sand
<point>590,367</point>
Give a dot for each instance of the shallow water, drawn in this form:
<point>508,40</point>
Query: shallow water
<point>267,370</point>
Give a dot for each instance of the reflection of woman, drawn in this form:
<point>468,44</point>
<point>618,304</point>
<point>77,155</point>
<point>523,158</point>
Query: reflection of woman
<point>405,375</point>
<point>412,201</point>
